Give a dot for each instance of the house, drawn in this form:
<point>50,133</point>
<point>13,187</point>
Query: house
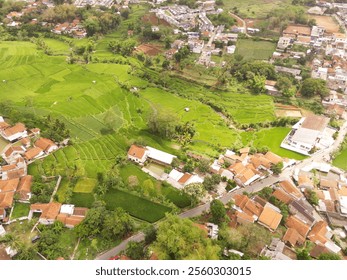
<point>297,231</point>
<point>231,49</point>
<point>12,151</point>
<point>137,154</point>
<point>49,212</point>
<point>160,156</point>
<point>14,132</point>
<point>270,87</point>
<point>7,192</point>
<point>248,206</point>
<point>292,71</point>
<point>306,134</point>
<point>47,145</point>
<point>304,182</point>
<point>297,30</point>
<point>302,210</point>
<point>24,188</point>
<point>336,111</point>
<point>33,153</point>
<point>212,230</point>
<point>71,216</point>
<point>282,196</point>
<point>270,218</point>
<point>243,218</point>
<point>244,174</point>
<point>321,234</point>
<point>318,250</point>
<point>184,179</point>
<point>284,42</point>
<point>290,189</point>
<point>275,251</point>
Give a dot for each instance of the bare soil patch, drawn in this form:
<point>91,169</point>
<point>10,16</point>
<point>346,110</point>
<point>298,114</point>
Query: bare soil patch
<point>330,25</point>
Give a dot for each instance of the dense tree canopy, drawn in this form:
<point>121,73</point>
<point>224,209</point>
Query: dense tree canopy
<point>218,211</point>
<point>179,239</point>
<point>314,87</point>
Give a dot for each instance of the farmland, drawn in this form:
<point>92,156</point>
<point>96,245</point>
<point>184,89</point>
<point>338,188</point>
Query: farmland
<point>84,95</point>
<point>255,49</point>
<point>255,8</point>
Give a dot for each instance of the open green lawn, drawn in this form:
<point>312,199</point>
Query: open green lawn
<point>255,8</point>
<point>271,138</point>
<point>85,185</point>
<point>250,49</point>
<point>180,199</point>
<point>20,210</point>
<point>136,206</point>
<point>341,160</point>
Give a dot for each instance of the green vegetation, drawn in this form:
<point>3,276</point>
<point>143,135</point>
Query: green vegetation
<point>251,49</point>
<point>85,185</point>
<point>341,159</point>
<point>20,210</point>
<point>136,206</point>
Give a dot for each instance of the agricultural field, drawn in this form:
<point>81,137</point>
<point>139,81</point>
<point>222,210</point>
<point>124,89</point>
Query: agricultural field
<point>341,160</point>
<point>255,8</point>
<point>259,50</point>
<point>271,138</point>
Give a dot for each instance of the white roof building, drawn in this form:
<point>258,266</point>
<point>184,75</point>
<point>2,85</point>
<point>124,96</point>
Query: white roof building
<point>160,156</point>
<point>67,209</point>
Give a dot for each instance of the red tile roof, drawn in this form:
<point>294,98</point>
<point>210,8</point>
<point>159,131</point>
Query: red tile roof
<point>136,151</point>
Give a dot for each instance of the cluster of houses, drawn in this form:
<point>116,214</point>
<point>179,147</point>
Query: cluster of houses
<point>201,41</point>
<point>309,135</point>
<point>13,18</point>
<point>68,214</point>
<point>23,147</point>
<point>74,28</point>
<point>245,168</point>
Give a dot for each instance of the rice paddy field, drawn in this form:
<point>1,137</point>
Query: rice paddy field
<point>84,95</point>
<point>341,160</point>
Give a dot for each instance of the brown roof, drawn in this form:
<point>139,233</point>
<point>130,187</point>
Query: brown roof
<point>336,109</point>
<point>304,180</point>
<point>293,237</point>
<point>297,29</point>
<point>12,150</point>
<point>136,151</point>
<point>314,122</point>
<point>25,141</point>
<point>240,200</point>
<point>4,125</point>
<point>290,188</point>
<point>6,199</point>
<point>259,159</point>
<point>32,153</point>
<point>304,39</point>
<point>252,208</point>
<point>24,187</point>
<point>244,217</point>
<point>9,185</point>
<point>48,210</point>
<point>318,232</point>
<point>298,225</point>
<point>270,83</point>
<point>343,191</point>
<point>245,150</point>
<point>80,211</point>
<point>44,143</point>
<point>328,184</point>
<point>8,167</point>
<point>273,158</point>
<point>73,220</point>
<point>184,178</point>
<point>318,250</point>
<point>282,196</point>
<point>19,127</point>
<point>270,218</point>
<point>15,174</point>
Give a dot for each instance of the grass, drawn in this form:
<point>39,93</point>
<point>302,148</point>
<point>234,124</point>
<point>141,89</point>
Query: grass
<point>20,210</point>
<point>341,160</point>
<point>180,199</point>
<point>271,138</point>
<point>82,199</point>
<point>250,49</point>
<point>85,185</point>
<point>255,8</point>
<point>136,206</point>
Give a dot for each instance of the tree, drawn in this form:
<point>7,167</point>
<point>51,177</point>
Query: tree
<point>329,256</point>
<point>303,255</point>
<point>256,83</point>
<point>136,250</point>
<point>313,87</point>
<point>163,124</point>
<point>179,239</point>
<point>218,211</point>
<point>196,191</point>
<point>312,197</point>
<point>277,168</point>
<point>150,234</point>
<point>116,224</point>
<point>210,182</point>
<point>204,165</point>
